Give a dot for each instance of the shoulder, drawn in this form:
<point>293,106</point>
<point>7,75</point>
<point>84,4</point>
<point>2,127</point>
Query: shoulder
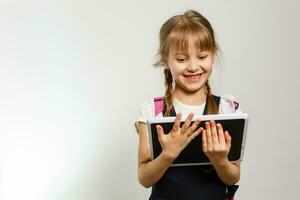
<point>229,104</point>
<point>146,110</point>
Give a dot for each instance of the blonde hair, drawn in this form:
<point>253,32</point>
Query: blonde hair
<point>175,31</point>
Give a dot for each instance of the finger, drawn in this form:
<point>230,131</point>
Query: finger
<point>221,134</point>
<point>208,136</point>
<point>204,141</point>
<point>176,125</point>
<point>192,128</point>
<point>227,139</point>
<point>214,133</point>
<point>187,122</point>
<point>195,134</point>
<point>160,133</point>
<point>195,124</point>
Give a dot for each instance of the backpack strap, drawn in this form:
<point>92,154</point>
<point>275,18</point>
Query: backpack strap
<point>232,101</point>
<point>158,105</point>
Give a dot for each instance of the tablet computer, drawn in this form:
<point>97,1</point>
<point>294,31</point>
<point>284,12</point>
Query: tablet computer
<point>192,154</point>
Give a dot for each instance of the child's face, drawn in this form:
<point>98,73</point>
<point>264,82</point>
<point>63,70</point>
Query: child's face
<point>191,69</point>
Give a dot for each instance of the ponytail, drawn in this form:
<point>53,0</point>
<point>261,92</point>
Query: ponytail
<point>168,92</point>
<point>211,103</point>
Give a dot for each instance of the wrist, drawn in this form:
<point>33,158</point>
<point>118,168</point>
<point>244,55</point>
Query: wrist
<point>221,162</point>
<point>169,156</point>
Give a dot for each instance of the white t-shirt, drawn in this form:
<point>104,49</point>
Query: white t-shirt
<point>227,105</point>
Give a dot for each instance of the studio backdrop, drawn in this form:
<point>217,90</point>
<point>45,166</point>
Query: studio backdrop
<point>74,73</point>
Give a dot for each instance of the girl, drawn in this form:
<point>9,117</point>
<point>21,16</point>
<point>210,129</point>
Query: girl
<point>187,51</point>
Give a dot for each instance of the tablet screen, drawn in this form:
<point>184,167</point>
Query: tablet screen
<point>193,154</point>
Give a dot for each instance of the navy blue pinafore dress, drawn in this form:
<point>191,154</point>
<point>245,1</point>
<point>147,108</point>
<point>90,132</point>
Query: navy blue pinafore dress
<point>191,182</point>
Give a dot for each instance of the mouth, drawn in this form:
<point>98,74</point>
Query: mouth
<point>194,77</point>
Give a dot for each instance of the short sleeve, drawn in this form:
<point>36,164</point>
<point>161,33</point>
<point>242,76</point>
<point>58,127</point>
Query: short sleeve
<point>146,111</point>
<point>229,104</point>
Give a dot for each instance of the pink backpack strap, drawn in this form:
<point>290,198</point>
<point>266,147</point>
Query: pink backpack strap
<point>158,105</point>
<point>235,105</point>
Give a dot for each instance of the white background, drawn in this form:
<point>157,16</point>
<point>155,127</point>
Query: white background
<point>74,73</point>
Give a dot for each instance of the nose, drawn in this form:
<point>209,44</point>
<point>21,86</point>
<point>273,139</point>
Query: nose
<point>193,65</point>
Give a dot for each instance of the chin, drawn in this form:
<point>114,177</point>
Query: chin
<point>192,89</point>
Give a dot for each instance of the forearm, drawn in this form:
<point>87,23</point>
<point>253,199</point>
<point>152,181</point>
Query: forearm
<point>228,172</point>
<point>150,172</point>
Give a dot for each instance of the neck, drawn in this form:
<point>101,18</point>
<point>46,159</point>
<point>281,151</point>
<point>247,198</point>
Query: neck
<point>192,98</point>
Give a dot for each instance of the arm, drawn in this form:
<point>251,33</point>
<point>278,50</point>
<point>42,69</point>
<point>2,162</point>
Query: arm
<point>150,171</point>
<point>216,145</point>
<point>228,172</point>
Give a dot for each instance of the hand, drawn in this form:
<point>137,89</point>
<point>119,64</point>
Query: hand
<point>215,143</point>
<point>179,137</point>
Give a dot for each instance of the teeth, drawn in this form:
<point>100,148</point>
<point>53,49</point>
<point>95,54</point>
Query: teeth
<point>194,76</point>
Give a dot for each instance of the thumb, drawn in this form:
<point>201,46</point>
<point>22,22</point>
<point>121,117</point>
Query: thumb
<point>227,139</point>
<point>160,133</point>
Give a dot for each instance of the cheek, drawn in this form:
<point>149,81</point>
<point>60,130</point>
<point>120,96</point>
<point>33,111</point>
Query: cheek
<point>174,73</point>
<point>176,69</point>
<point>208,66</point>
<point>209,69</point>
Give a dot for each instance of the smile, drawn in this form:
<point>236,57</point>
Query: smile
<point>193,77</point>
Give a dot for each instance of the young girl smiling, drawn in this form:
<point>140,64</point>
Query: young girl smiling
<point>187,52</point>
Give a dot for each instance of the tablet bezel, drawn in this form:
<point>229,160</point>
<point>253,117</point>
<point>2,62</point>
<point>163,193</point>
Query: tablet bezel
<point>203,118</point>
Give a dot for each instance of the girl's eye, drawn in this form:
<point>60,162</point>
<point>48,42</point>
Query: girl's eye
<point>180,59</point>
<point>202,57</point>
